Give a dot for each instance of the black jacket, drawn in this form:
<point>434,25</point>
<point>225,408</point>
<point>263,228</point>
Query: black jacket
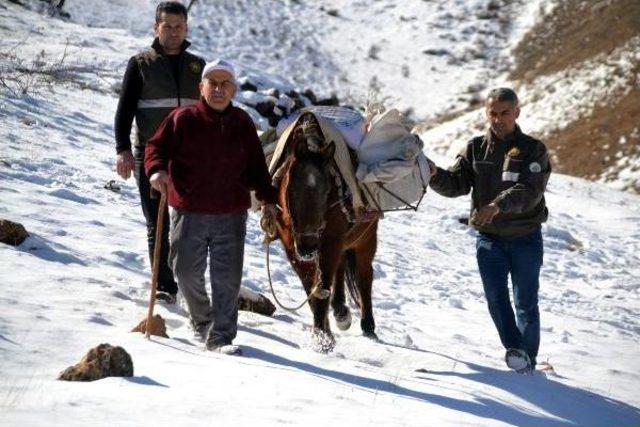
<point>153,85</point>
<point>512,173</point>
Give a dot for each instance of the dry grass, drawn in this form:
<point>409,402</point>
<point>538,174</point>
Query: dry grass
<point>576,31</point>
<point>591,146</point>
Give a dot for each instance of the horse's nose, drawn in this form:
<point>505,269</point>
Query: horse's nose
<point>307,248</point>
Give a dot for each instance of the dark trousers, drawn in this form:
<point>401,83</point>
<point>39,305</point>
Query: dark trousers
<point>522,259</point>
<point>150,204</point>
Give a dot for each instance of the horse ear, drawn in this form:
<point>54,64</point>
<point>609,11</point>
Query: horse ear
<point>328,151</point>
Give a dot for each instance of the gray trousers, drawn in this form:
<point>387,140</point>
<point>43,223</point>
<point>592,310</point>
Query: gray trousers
<point>220,237</point>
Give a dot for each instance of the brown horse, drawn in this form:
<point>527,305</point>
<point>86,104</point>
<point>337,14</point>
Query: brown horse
<point>321,242</point>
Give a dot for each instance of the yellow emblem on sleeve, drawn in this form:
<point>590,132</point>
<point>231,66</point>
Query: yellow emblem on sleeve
<point>514,152</point>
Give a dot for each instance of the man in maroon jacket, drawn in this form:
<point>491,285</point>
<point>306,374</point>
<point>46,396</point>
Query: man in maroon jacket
<point>207,157</point>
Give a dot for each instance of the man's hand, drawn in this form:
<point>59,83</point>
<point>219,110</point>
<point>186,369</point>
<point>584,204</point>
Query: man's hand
<point>269,219</point>
<point>159,181</point>
<point>125,164</point>
<point>485,215</point>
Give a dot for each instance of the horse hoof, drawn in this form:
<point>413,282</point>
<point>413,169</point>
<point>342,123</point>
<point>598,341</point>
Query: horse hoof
<point>371,335</point>
<point>343,320</point>
<point>323,342</point>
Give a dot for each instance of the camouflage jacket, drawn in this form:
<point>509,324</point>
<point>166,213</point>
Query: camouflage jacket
<point>512,173</point>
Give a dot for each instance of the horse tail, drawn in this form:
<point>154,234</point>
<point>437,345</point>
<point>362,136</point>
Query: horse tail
<point>350,276</point>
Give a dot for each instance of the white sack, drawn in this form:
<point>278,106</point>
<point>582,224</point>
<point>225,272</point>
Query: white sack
<point>348,122</point>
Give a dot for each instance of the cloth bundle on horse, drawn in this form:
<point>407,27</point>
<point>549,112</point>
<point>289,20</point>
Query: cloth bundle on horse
<point>391,171</point>
<point>323,224</point>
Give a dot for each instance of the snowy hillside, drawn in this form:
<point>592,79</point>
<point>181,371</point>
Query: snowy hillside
<point>427,56</point>
<point>577,70</point>
<point>82,277</point>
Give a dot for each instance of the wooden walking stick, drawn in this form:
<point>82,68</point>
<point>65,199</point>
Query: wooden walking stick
<point>156,259</point>
<point>156,325</point>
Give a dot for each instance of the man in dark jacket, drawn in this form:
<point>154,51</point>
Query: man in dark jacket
<point>156,81</point>
<point>507,173</point>
<point>207,157</point>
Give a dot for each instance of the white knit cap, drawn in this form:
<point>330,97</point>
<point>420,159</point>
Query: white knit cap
<point>221,65</point>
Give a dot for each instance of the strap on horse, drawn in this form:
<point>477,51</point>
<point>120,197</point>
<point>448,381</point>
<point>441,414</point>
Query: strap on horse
<point>316,291</point>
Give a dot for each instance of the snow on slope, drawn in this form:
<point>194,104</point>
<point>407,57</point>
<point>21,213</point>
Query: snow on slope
<point>82,279</point>
<point>551,102</point>
<point>430,57</point>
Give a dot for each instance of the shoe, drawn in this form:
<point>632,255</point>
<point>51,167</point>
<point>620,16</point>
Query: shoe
<point>223,348</point>
<point>201,333</point>
<point>518,360</point>
<point>166,297</point>
<point>229,350</point>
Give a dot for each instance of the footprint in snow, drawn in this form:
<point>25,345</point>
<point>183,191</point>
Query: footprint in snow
<point>372,362</point>
<point>97,318</point>
<point>129,257</point>
<point>120,295</point>
<point>460,338</point>
<point>456,303</point>
<point>562,239</point>
<point>65,194</point>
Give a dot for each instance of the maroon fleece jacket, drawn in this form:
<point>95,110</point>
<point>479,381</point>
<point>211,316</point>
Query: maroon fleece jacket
<point>213,159</point>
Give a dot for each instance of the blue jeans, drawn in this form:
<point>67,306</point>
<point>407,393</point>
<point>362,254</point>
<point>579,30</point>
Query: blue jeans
<point>522,258</point>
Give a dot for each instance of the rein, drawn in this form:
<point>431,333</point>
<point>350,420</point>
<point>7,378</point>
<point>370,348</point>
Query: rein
<point>317,291</point>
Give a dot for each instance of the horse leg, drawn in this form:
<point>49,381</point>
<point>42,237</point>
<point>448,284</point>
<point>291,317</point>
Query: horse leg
<point>306,271</point>
<point>341,312</point>
<point>364,267</point>
<point>323,340</point>
<point>329,261</point>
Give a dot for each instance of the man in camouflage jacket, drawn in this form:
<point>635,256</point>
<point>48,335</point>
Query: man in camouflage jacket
<point>507,173</point>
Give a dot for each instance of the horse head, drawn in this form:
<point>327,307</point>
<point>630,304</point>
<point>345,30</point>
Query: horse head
<point>308,186</point>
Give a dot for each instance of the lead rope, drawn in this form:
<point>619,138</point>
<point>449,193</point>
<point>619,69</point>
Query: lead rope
<point>316,291</point>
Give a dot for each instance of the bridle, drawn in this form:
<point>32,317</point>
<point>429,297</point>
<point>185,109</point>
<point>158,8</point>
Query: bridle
<point>304,234</point>
<point>318,232</point>
<point>308,133</point>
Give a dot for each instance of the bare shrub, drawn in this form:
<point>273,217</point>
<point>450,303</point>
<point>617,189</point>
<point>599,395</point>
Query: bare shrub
<point>28,77</point>
<point>21,76</point>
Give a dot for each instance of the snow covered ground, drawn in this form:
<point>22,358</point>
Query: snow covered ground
<point>428,56</point>
<point>82,279</point>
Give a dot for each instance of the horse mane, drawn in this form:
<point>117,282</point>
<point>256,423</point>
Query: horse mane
<point>309,130</point>
<point>283,182</point>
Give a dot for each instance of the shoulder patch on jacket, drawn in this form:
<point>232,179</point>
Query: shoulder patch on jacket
<point>195,67</point>
<point>535,167</point>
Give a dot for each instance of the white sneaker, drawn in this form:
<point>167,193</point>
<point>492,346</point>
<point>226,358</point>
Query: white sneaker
<point>518,360</point>
<point>229,350</point>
